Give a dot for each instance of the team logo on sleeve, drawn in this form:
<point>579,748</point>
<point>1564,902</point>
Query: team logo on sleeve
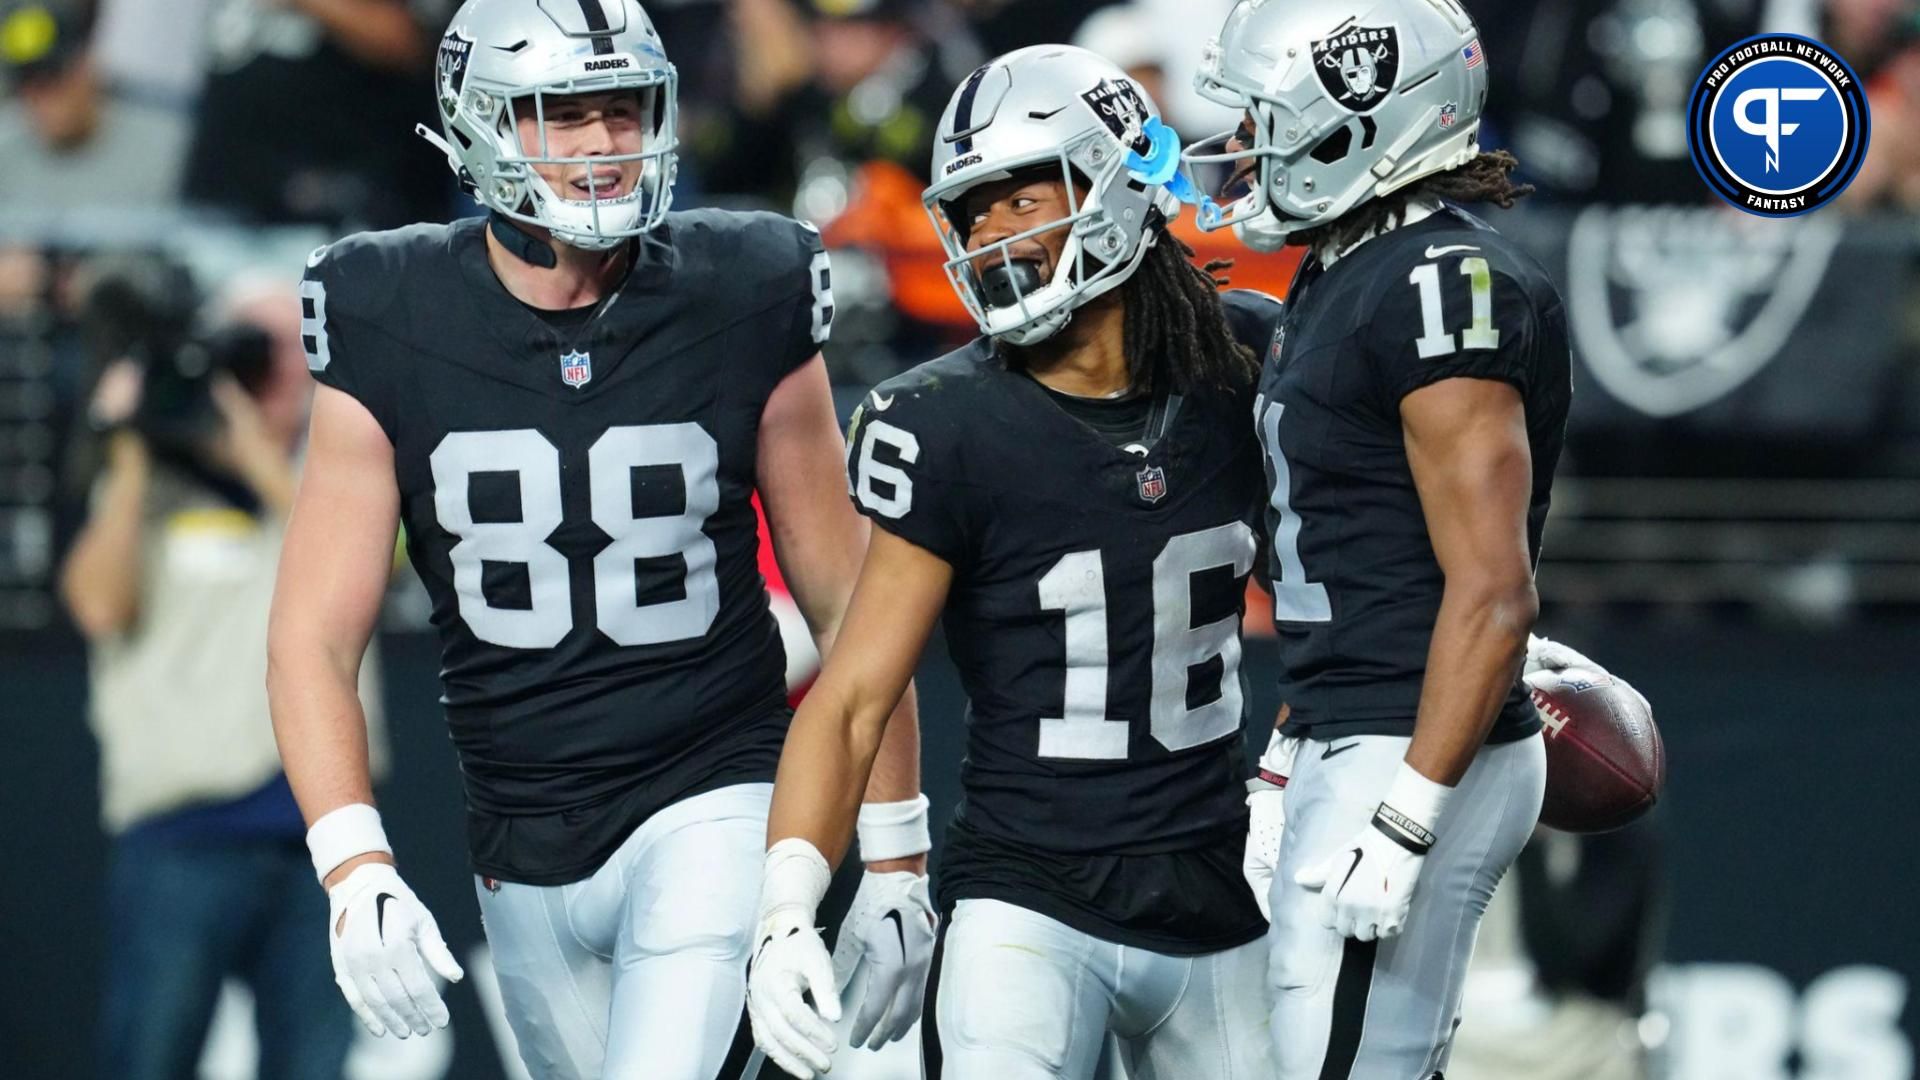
<point>1778,125</point>
<point>576,368</point>
<point>1357,66</point>
<point>1153,483</point>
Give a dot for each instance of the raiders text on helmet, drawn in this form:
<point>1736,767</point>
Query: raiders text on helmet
<point>1049,107</point>
<point>502,59</point>
<point>1346,100</point>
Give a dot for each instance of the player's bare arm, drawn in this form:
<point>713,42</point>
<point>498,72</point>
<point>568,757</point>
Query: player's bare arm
<point>819,541</point>
<point>1467,446</point>
<point>828,758</point>
<point>837,731</point>
<point>333,571</point>
<point>334,567</point>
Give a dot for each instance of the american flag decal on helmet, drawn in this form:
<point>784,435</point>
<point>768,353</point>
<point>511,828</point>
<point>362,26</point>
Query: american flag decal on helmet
<point>1473,55</point>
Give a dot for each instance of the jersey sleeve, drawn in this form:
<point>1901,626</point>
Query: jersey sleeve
<point>334,350</point>
<point>1254,318</point>
<point>901,474</point>
<point>812,320</point>
<point>1456,316</point>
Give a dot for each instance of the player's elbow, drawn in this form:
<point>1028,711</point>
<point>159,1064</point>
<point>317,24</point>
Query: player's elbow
<point>1508,603</point>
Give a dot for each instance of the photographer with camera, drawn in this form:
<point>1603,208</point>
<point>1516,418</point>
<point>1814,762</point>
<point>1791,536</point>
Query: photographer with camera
<point>170,579</point>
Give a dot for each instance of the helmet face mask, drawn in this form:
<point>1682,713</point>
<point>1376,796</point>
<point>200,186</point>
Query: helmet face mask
<point>1346,100</point>
<point>1017,305</point>
<point>1056,113</point>
<point>505,64</point>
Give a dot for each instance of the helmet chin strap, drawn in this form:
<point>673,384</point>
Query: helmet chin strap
<point>516,240</point>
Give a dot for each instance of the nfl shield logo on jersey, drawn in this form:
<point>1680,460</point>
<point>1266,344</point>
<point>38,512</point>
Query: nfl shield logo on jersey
<point>576,368</point>
<point>1153,483</point>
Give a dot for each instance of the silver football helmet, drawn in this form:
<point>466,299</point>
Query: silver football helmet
<point>1063,108</point>
<point>1347,100</point>
<point>502,60</point>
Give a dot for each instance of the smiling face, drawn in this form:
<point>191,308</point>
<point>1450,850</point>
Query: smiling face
<point>994,211</point>
<point>586,126</point>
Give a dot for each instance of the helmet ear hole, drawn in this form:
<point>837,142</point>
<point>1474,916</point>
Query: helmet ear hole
<point>1335,147</point>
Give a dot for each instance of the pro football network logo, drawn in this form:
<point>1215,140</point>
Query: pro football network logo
<point>1357,66</point>
<point>576,368</point>
<point>1778,125</point>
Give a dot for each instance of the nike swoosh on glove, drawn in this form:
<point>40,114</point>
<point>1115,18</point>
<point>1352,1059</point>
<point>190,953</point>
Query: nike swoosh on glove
<point>790,961</point>
<point>891,927</point>
<point>1267,818</point>
<point>1366,885</point>
<point>384,943</point>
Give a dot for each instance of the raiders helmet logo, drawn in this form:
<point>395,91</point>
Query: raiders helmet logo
<point>450,69</point>
<point>1357,66</point>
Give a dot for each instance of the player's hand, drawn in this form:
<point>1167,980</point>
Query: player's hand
<point>384,942</point>
<point>1366,886</point>
<point>891,926</point>
<point>1267,818</point>
<point>790,961</point>
<point>1545,654</point>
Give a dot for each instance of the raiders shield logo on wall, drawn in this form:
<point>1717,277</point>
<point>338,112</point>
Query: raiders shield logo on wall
<point>1357,65</point>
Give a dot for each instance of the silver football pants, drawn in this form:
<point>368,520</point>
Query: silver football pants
<point>1386,1010</point>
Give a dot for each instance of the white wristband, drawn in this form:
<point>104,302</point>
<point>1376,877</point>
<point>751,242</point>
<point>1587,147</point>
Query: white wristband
<point>893,830</point>
<point>1413,805</point>
<point>795,875</point>
<point>339,835</point>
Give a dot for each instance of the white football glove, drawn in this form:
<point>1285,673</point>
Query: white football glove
<point>1545,654</point>
<point>790,960</point>
<point>384,943</point>
<point>891,927</point>
<point>1267,818</point>
<point>1366,885</point>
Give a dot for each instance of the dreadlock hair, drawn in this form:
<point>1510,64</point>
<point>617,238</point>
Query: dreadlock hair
<point>1174,330</point>
<point>1485,178</point>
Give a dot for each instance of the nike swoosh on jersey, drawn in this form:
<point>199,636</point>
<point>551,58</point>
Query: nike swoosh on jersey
<point>1331,750</point>
<point>1436,252</point>
<point>882,404</point>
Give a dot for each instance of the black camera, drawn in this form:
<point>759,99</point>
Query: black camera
<point>146,308</point>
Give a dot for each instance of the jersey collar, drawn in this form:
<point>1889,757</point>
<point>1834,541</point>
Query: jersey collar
<point>1417,211</point>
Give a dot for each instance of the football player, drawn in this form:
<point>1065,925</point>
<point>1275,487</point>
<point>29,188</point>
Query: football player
<point>569,406</point>
<point>1412,407</point>
<point>1076,495</point>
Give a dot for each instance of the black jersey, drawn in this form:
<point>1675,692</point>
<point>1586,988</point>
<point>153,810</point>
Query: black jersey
<point>576,498</point>
<point>1356,584</point>
<point>1094,618</point>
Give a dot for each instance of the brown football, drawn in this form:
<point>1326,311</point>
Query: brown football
<point>1605,763</point>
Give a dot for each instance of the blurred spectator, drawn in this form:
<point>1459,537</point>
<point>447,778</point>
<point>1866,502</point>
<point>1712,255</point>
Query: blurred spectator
<point>822,91</point>
<point>1557,983</point>
<point>170,581</point>
<point>1592,97</point>
<point>308,109</point>
<point>1881,40</point>
<point>65,141</point>
<point>153,52</point>
<point>1006,25</point>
